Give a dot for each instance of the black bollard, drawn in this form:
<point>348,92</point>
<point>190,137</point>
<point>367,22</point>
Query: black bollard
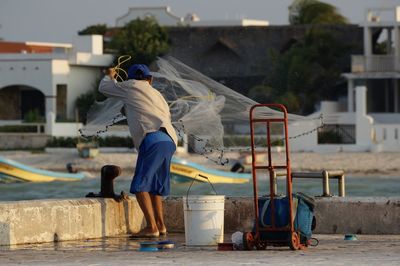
<point>108,174</point>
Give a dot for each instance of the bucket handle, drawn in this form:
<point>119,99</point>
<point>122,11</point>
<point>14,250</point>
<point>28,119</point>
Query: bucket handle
<point>187,192</point>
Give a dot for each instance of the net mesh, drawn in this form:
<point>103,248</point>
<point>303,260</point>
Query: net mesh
<point>201,108</point>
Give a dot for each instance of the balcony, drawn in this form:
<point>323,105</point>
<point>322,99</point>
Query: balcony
<point>375,63</point>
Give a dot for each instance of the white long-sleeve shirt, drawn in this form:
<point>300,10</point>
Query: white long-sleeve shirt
<point>145,107</point>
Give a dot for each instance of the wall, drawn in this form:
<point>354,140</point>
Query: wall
<point>308,142</point>
<point>78,70</point>
<point>26,69</point>
<point>84,80</point>
<point>386,137</point>
<point>22,141</point>
<point>57,220</point>
<point>92,44</point>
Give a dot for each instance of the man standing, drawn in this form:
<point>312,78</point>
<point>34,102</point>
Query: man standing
<point>149,122</point>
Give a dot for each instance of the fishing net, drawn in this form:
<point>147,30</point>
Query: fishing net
<point>202,110</point>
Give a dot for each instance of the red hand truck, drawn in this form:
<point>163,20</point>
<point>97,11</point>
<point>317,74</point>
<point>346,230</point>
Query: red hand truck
<point>259,238</point>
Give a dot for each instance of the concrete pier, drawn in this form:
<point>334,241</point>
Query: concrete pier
<point>39,221</point>
<point>332,250</point>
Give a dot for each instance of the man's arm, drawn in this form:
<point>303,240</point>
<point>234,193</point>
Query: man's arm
<point>109,86</point>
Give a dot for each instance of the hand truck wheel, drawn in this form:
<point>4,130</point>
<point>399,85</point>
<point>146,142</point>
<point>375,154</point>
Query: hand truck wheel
<point>248,241</point>
<point>294,242</point>
<point>261,245</point>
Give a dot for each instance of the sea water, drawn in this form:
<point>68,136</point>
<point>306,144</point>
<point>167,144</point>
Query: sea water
<point>355,186</point>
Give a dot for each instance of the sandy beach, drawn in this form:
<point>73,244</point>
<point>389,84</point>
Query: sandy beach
<point>354,164</point>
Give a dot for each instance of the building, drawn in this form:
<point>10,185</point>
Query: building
<point>241,57</point>
<point>371,119</point>
<point>244,46</point>
<point>47,78</point>
<point>164,17</point>
<point>162,14</point>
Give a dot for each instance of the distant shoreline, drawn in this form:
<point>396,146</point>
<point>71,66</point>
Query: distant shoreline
<point>354,164</point>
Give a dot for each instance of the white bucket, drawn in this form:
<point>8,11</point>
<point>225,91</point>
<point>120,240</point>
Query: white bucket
<point>204,219</point>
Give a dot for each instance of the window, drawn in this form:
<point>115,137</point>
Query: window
<point>61,102</point>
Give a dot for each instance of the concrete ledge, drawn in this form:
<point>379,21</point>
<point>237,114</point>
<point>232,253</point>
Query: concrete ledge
<point>361,215</point>
<point>57,220</point>
<point>14,141</point>
<point>39,221</point>
<point>334,215</point>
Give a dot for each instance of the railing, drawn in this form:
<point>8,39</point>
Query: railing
<point>387,135</point>
<point>324,175</point>
<point>375,63</point>
<point>22,128</point>
<point>337,134</point>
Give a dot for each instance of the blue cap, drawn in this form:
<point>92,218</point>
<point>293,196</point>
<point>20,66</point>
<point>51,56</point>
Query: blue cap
<point>139,71</point>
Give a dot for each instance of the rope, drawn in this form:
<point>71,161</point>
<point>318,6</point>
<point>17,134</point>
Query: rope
<point>208,97</point>
<point>122,59</point>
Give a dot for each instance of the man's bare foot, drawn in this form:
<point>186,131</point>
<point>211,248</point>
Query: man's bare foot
<point>162,229</point>
<point>146,233</point>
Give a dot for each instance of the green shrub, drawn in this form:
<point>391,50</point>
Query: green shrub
<point>115,142</point>
<point>33,116</point>
<point>66,142</point>
<point>18,129</point>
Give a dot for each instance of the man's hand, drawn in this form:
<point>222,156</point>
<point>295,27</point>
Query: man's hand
<point>110,72</point>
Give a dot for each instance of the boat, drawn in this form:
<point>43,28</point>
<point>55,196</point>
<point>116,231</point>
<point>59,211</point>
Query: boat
<point>12,171</point>
<point>186,171</point>
<point>87,150</point>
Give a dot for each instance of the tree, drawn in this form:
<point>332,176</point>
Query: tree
<point>99,29</point>
<point>314,12</point>
<point>85,100</point>
<point>308,71</point>
<point>261,93</point>
<point>305,74</point>
<point>143,39</point>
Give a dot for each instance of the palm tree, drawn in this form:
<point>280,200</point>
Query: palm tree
<point>314,12</point>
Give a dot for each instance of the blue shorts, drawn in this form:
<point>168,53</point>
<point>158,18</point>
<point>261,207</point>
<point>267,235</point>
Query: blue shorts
<point>152,173</point>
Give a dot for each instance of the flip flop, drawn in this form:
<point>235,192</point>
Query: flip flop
<point>166,244</point>
<point>157,245</point>
<point>149,246</point>
<point>163,233</point>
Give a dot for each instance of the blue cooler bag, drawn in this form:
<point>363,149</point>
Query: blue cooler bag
<point>303,212</point>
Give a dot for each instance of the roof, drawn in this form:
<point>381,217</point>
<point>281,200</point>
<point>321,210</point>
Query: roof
<point>30,47</point>
<point>237,51</point>
<point>372,75</point>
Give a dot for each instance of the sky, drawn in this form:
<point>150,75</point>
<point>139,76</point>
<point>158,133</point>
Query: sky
<point>60,20</point>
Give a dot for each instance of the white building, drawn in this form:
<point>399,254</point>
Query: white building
<point>48,78</point>
<point>371,121</point>
<point>164,17</point>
